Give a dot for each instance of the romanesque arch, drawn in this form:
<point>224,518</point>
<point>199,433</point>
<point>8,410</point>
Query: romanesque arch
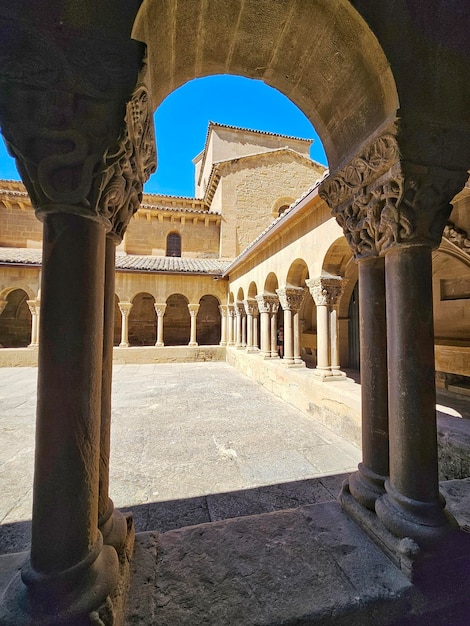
<point>177,321</point>
<point>355,85</point>
<point>142,320</point>
<point>208,321</point>
<point>15,320</point>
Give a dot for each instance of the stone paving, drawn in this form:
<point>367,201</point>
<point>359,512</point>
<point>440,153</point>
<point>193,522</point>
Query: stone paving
<point>191,443</point>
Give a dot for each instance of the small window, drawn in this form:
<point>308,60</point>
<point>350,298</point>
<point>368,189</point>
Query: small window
<point>173,245</point>
<point>282,209</point>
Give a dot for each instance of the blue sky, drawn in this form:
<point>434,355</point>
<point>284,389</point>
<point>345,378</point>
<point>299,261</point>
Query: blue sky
<point>181,125</point>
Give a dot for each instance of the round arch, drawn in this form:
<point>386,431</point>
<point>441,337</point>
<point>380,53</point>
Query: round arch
<point>208,321</point>
<point>355,85</point>
<point>142,320</point>
<point>271,283</point>
<point>297,274</point>
<point>252,290</point>
<point>15,320</point>
<point>240,295</point>
<point>177,321</point>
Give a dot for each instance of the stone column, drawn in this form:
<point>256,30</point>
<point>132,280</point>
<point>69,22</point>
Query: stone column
<point>243,317</point>
<point>34,309</point>
<point>125,308</point>
<point>231,323</point>
<point>291,299</point>
<point>67,549</point>
<point>326,291</point>
<point>112,523</point>
<point>255,346</point>
<point>394,208</point>
<point>193,310</point>
<point>367,484</point>
<point>412,506</point>
<point>239,312</point>
<point>160,311</point>
<point>250,309</point>
<point>264,309</point>
<point>223,308</point>
<point>273,319</point>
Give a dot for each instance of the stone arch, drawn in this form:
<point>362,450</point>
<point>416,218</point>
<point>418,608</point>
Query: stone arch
<point>297,274</point>
<point>271,283</point>
<point>281,205</point>
<point>177,321</point>
<point>117,322</point>
<point>15,320</point>
<point>208,321</point>
<point>252,290</point>
<point>357,87</point>
<point>231,298</point>
<point>142,320</point>
<point>240,295</point>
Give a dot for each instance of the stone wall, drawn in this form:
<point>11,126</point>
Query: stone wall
<point>20,226</point>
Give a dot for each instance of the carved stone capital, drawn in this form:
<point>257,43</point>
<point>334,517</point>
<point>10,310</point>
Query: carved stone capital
<point>130,163</point>
<point>457,236</point>
<point>193,309</point>
<point>240,309</point>
<point>62,108</point>
<point>382,202</point>
<point>231,310</point>
<point>267,303</point>
<point>33,306</point>
<point>326,291</point>
<point>159,309</point>
<point>224,310</point>
<point>291,298</point>
<point>251,306</point>
<point>125,308</point>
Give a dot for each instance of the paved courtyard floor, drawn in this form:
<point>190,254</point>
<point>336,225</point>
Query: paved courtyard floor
<point>191,442</point>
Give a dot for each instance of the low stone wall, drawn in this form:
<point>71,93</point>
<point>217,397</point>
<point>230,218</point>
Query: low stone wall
<point>337,405</point>
<point>18,357</point>
<point>452,359</point>
<point>168,354</point>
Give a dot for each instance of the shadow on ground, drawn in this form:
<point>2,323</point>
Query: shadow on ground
<point>172,514</point>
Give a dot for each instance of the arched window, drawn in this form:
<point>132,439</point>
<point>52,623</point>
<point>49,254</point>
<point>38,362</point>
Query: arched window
<point>282,209</point>
<point>173,245</point>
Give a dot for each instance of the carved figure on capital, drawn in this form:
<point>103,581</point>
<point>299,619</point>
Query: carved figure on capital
<point>326,291</point>
<point>251,306</point>
<point>381,201</point>
<point>291,298</point>
<point>267,303</point>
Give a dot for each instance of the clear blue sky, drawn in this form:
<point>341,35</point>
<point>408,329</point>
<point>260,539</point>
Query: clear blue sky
<point>181,126</point>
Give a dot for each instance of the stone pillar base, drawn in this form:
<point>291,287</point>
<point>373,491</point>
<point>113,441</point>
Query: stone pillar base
<point>252,350</point>
<point>328,375</point>
<point>448,557</point>
<point>20,608</point>
<point>193,344</point>
<point>159,344</point>
<point>123,345</point>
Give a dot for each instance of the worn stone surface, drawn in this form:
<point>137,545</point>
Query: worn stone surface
<point>309,565</point>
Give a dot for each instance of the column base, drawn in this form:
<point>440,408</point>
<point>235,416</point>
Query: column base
<point>96,597</point>
<point>448,558</point>
<point>328,375</point>
<point>425,522</point>
<point>223,343</point>
<point>193,344</point>
<point>123,345</point>
<point>366,486</point>
<point>159,344</point>
<point>252,350</point>
<point>113,527</point>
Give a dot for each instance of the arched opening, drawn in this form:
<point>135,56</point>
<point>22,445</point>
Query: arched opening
<point>177,321</point>
<point>117,322</point>
<point>173,244</point>
<point>354,346</point>
<point>345,103</point>
<point>15,321</point>
<point>142,321</point>
<point>208,321</point>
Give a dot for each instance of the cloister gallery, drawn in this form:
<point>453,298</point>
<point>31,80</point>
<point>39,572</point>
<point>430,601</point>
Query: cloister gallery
<point>365,265</point>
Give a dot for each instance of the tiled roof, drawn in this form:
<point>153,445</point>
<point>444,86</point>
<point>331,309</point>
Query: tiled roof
<point>132,262</point>
<point>145,263</point>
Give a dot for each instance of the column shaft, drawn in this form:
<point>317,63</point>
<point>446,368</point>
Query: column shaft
<point>265,334</point>
<point>65,496</point>
<point>412,506</point>
<point>274,354</point>
<point>367,484</point>
<point>296,330</point>
<point>288,338</point>
<point>112,523</point>
<point>322,337</point>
